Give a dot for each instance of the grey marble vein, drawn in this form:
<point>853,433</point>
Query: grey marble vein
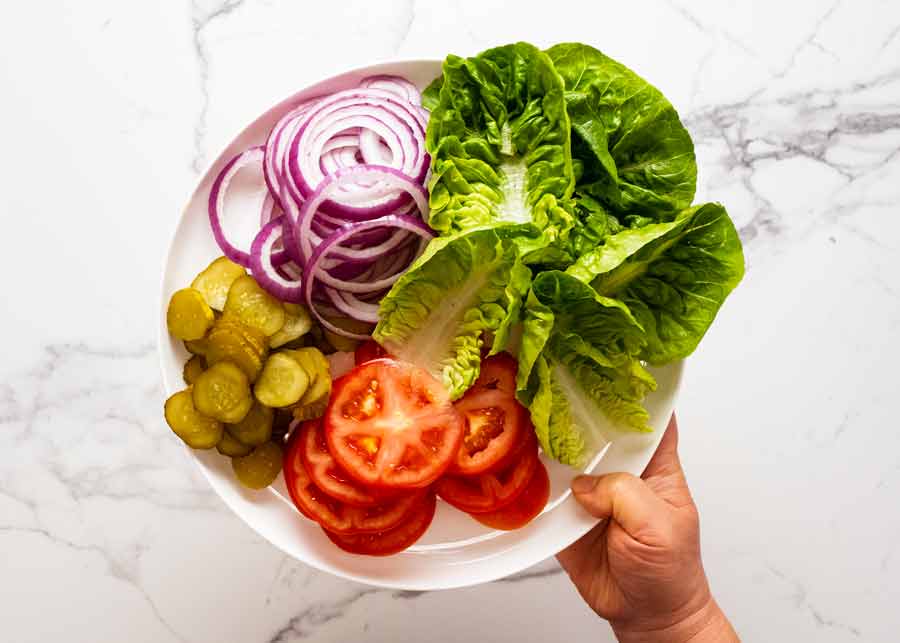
<point>801,600</point>
<point>821,124</point>
<point>321,613</point>
<point>409,17</point>
<point>200,20</point>
<point>809,40</point>
<point>123,570</point>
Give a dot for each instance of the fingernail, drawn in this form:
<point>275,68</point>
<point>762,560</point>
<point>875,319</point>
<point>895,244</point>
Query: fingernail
<point>584,484</point>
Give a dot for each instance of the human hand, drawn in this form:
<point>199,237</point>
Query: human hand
<point>640,568</point>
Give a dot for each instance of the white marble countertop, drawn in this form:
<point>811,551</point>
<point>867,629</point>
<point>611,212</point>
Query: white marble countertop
<point>790,440</point>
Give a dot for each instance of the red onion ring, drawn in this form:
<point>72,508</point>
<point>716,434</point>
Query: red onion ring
<point>396,85</point>
<point>386,120</point>
<point>216,203</point>
<point>275,149</point>
<point>313,271</point>
<point>264,271</point>
<point>308,239</point>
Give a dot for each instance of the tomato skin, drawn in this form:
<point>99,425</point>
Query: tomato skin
<point>394,540</point>
<point>369,350</point>
<point>390,424</point>
<point>526,507</point>
<point>494,422</point>
<point>326,473</point>
<point>337,516</point>
<point>493,490</point>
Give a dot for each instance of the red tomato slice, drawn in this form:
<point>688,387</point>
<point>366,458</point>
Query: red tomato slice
<point>394,540</point>
<point>327,474</point>
<point>493,421</point>
<point>391,424</point>
<point>525,508</point>
<point>492,490</point>
<point>498,372</point>
<point>333,514</point>
<point>369,350</point>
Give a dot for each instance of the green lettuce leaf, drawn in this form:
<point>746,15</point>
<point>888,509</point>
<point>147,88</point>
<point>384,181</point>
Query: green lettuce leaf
<point>438,312</point>
<point>499,138</point>
<point>578,371</point>
<point>431,94</point>
<point>673,276</point>
<point>632,152</point>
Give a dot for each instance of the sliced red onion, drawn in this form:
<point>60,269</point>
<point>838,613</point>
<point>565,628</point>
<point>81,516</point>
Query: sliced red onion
<point>391,130</point>
<point>267,212</point>
<point>396,85</point>
<point>351,306</point>
<point>264,271</point>
<point>308,239</point>
<point>405,152</point>
<point>233,249</point>
<point>342,172</point>
<point>313,271</point>
<point>276,146</point>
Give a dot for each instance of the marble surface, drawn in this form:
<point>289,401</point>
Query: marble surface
<point>111,108</point>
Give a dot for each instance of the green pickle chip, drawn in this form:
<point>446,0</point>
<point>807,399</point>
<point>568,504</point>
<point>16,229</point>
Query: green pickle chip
<point>196,429</point>
<point>258,469</point>
<point>215,281</point>
<point>188,316</point>
<point>255,428</point>
<point>283,381</point>
<point>231,446</point>
<point>254,306</point>
<point>223,392</point>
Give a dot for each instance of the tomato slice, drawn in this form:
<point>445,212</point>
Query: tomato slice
<point>492,490</point>
<point>327,474</point>
<point>369,350</point>
<point>393,540</point>
<point>498,372</point>
<point>391,424</point>
<point>525,508</point>
<point>493,421</point>
<point>333,514</point>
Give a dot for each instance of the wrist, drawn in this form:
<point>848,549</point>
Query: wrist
<point>703,624</point>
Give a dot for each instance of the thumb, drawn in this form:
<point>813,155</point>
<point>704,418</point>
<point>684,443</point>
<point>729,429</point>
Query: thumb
<point>628,501</point>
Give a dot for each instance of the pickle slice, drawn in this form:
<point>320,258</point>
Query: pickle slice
<point>231,446</point>
<point>193,368</point>
<point>316,366</point>
<point>297,323</point>
<point>254,306</point>
<point>230,340</point>
<point>260,468</point>
<point>215,280</point>
<point>223,392</point>
<point>250,334</point>
<point>197,430</point>
<point>283,381</point>
<point>255,428</point>
<point>188,316</point>
<point>196,346</point>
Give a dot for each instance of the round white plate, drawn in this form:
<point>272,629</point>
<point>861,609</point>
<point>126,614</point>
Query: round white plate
<point>456,551</point>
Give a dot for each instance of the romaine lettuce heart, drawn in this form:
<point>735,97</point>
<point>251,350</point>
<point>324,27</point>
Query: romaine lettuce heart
<point>673,276</point>
<point>438,312</point>
<point>578,365</point>
<point>632,152</point>
<point>499,139</point>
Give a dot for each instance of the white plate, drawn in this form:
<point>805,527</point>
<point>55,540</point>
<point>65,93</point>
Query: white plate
<point>456,551</point>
